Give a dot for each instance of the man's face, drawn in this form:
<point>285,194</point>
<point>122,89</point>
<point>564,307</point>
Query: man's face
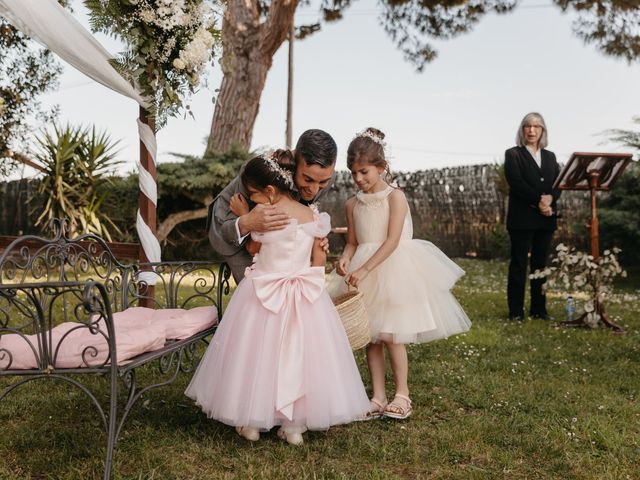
<point>310,179</point>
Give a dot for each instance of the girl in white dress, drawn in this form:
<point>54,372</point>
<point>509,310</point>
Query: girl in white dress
<point>406,283</point>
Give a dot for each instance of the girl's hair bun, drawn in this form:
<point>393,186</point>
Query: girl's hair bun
<point>285,159</point>
<point>375,132</point>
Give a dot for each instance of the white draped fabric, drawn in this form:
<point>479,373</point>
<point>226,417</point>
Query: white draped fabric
<point>55,28</point>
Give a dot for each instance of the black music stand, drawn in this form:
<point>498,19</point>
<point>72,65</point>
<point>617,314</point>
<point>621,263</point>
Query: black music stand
<point>593,172</point>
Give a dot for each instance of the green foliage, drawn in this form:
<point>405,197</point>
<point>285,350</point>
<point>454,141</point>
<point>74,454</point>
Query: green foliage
<point>412,23</point>
<point>629,138</point>
<point>612,25</point>
<point>75,161</point>
<point>618,210</point>
<point>188,184</point>
<point>200,177</point>
<point>26,72</point>
<point>121,203</point>
<point>619,217</point>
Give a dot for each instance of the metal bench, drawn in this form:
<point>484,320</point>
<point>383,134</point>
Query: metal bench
<point>44,282</point>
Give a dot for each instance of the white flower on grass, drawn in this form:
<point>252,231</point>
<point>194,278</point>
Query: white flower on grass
<point>179,64</point>
<point>592,319</point>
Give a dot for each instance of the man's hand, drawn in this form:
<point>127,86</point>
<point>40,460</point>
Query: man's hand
<point>263,218</point>
<point>546,200</point>
<point>238,205</point>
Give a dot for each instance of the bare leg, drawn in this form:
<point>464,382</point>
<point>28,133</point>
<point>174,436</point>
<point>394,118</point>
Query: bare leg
<point>375,361</point>
<point>400,406</point>
<point>399,367</point>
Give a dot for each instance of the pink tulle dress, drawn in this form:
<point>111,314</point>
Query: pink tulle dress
<point>281,355</point>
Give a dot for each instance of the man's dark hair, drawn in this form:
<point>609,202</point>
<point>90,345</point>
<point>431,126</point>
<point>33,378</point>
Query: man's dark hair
<point>316,147</point>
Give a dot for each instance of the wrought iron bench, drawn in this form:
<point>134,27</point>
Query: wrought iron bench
<point>44,282</point>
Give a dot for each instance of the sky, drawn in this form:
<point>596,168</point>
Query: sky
<point>463,109</point>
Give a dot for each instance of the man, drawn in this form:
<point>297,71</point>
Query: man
<point>315,155</point>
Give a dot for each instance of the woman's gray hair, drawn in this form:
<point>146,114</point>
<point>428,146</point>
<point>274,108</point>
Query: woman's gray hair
<point>528,118</point>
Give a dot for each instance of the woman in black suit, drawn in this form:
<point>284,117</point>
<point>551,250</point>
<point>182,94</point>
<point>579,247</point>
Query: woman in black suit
<point>530,171</point>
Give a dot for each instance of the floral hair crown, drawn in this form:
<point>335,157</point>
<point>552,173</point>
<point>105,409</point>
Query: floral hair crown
<point>372,136</point>
<point>284,174</point>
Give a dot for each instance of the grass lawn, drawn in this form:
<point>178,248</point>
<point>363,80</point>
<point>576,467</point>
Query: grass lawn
<point>510,400</point>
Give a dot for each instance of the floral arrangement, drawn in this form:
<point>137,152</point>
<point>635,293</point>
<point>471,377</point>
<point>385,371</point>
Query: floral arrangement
<point>578,270</point>
<point>169,44</point>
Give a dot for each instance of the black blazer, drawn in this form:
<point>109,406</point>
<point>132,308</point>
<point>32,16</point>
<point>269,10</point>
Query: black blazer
<point>527,182</point>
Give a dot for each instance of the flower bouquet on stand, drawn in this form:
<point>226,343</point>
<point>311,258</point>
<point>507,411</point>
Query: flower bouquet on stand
<point>573,270</point>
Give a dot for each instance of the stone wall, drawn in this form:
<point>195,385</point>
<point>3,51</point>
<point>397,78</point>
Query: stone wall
<point>461,210</point>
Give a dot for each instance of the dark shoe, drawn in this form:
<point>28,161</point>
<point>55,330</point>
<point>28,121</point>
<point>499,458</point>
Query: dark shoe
<point>541,316</point>
<point>517,318</point>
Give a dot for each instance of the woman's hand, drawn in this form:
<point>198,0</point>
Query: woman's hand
<point>342,266</point>
<point>354,278</point>
<point>239,205</point>
<point>253,247</point>
<point>318,253</point>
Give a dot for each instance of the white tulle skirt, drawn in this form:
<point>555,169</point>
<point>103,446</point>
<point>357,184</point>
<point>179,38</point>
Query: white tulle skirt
<point>408,297</point>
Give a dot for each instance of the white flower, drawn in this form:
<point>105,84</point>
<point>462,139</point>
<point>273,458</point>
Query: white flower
<point>592,319</point>
<point>179,64</point>
<point>147,15</point>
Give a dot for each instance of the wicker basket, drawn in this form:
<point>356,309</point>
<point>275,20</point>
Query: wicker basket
<point>354,318</point>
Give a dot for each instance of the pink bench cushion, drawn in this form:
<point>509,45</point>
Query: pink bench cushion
<point>177,322</point>
<point>138,330</point>
<point>17,349</point>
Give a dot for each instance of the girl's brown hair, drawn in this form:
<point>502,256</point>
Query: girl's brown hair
<point>259,172</point>
<point>368,147</point>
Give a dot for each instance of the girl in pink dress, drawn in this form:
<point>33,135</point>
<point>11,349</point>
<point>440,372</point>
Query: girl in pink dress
<point>405,282</point>
<point>281,356</point>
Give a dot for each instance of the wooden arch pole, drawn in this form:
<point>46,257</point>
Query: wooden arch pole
<point>147,207</point>
<point>593,225</point>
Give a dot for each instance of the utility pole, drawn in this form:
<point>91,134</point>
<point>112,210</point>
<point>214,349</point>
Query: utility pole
<point>288,134</point>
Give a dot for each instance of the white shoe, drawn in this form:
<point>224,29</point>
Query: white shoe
<point>293,438</point>
<point>251,434</point>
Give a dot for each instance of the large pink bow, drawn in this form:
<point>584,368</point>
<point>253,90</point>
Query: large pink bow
<point>282,293</point>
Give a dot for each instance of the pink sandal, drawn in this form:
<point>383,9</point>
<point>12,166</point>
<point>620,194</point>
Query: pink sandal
<point>397,410</point>
<point>376,409</point>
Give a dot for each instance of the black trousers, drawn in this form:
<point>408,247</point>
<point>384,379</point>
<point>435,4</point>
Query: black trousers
<point>523,242</point>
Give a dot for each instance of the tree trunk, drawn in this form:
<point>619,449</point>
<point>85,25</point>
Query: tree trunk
<point>19,157</point>
<point>173,220</point>
<point>249,47</point>
<point>288,133</point>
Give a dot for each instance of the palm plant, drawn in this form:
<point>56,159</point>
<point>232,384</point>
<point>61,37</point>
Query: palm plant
<point>75,161</point>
